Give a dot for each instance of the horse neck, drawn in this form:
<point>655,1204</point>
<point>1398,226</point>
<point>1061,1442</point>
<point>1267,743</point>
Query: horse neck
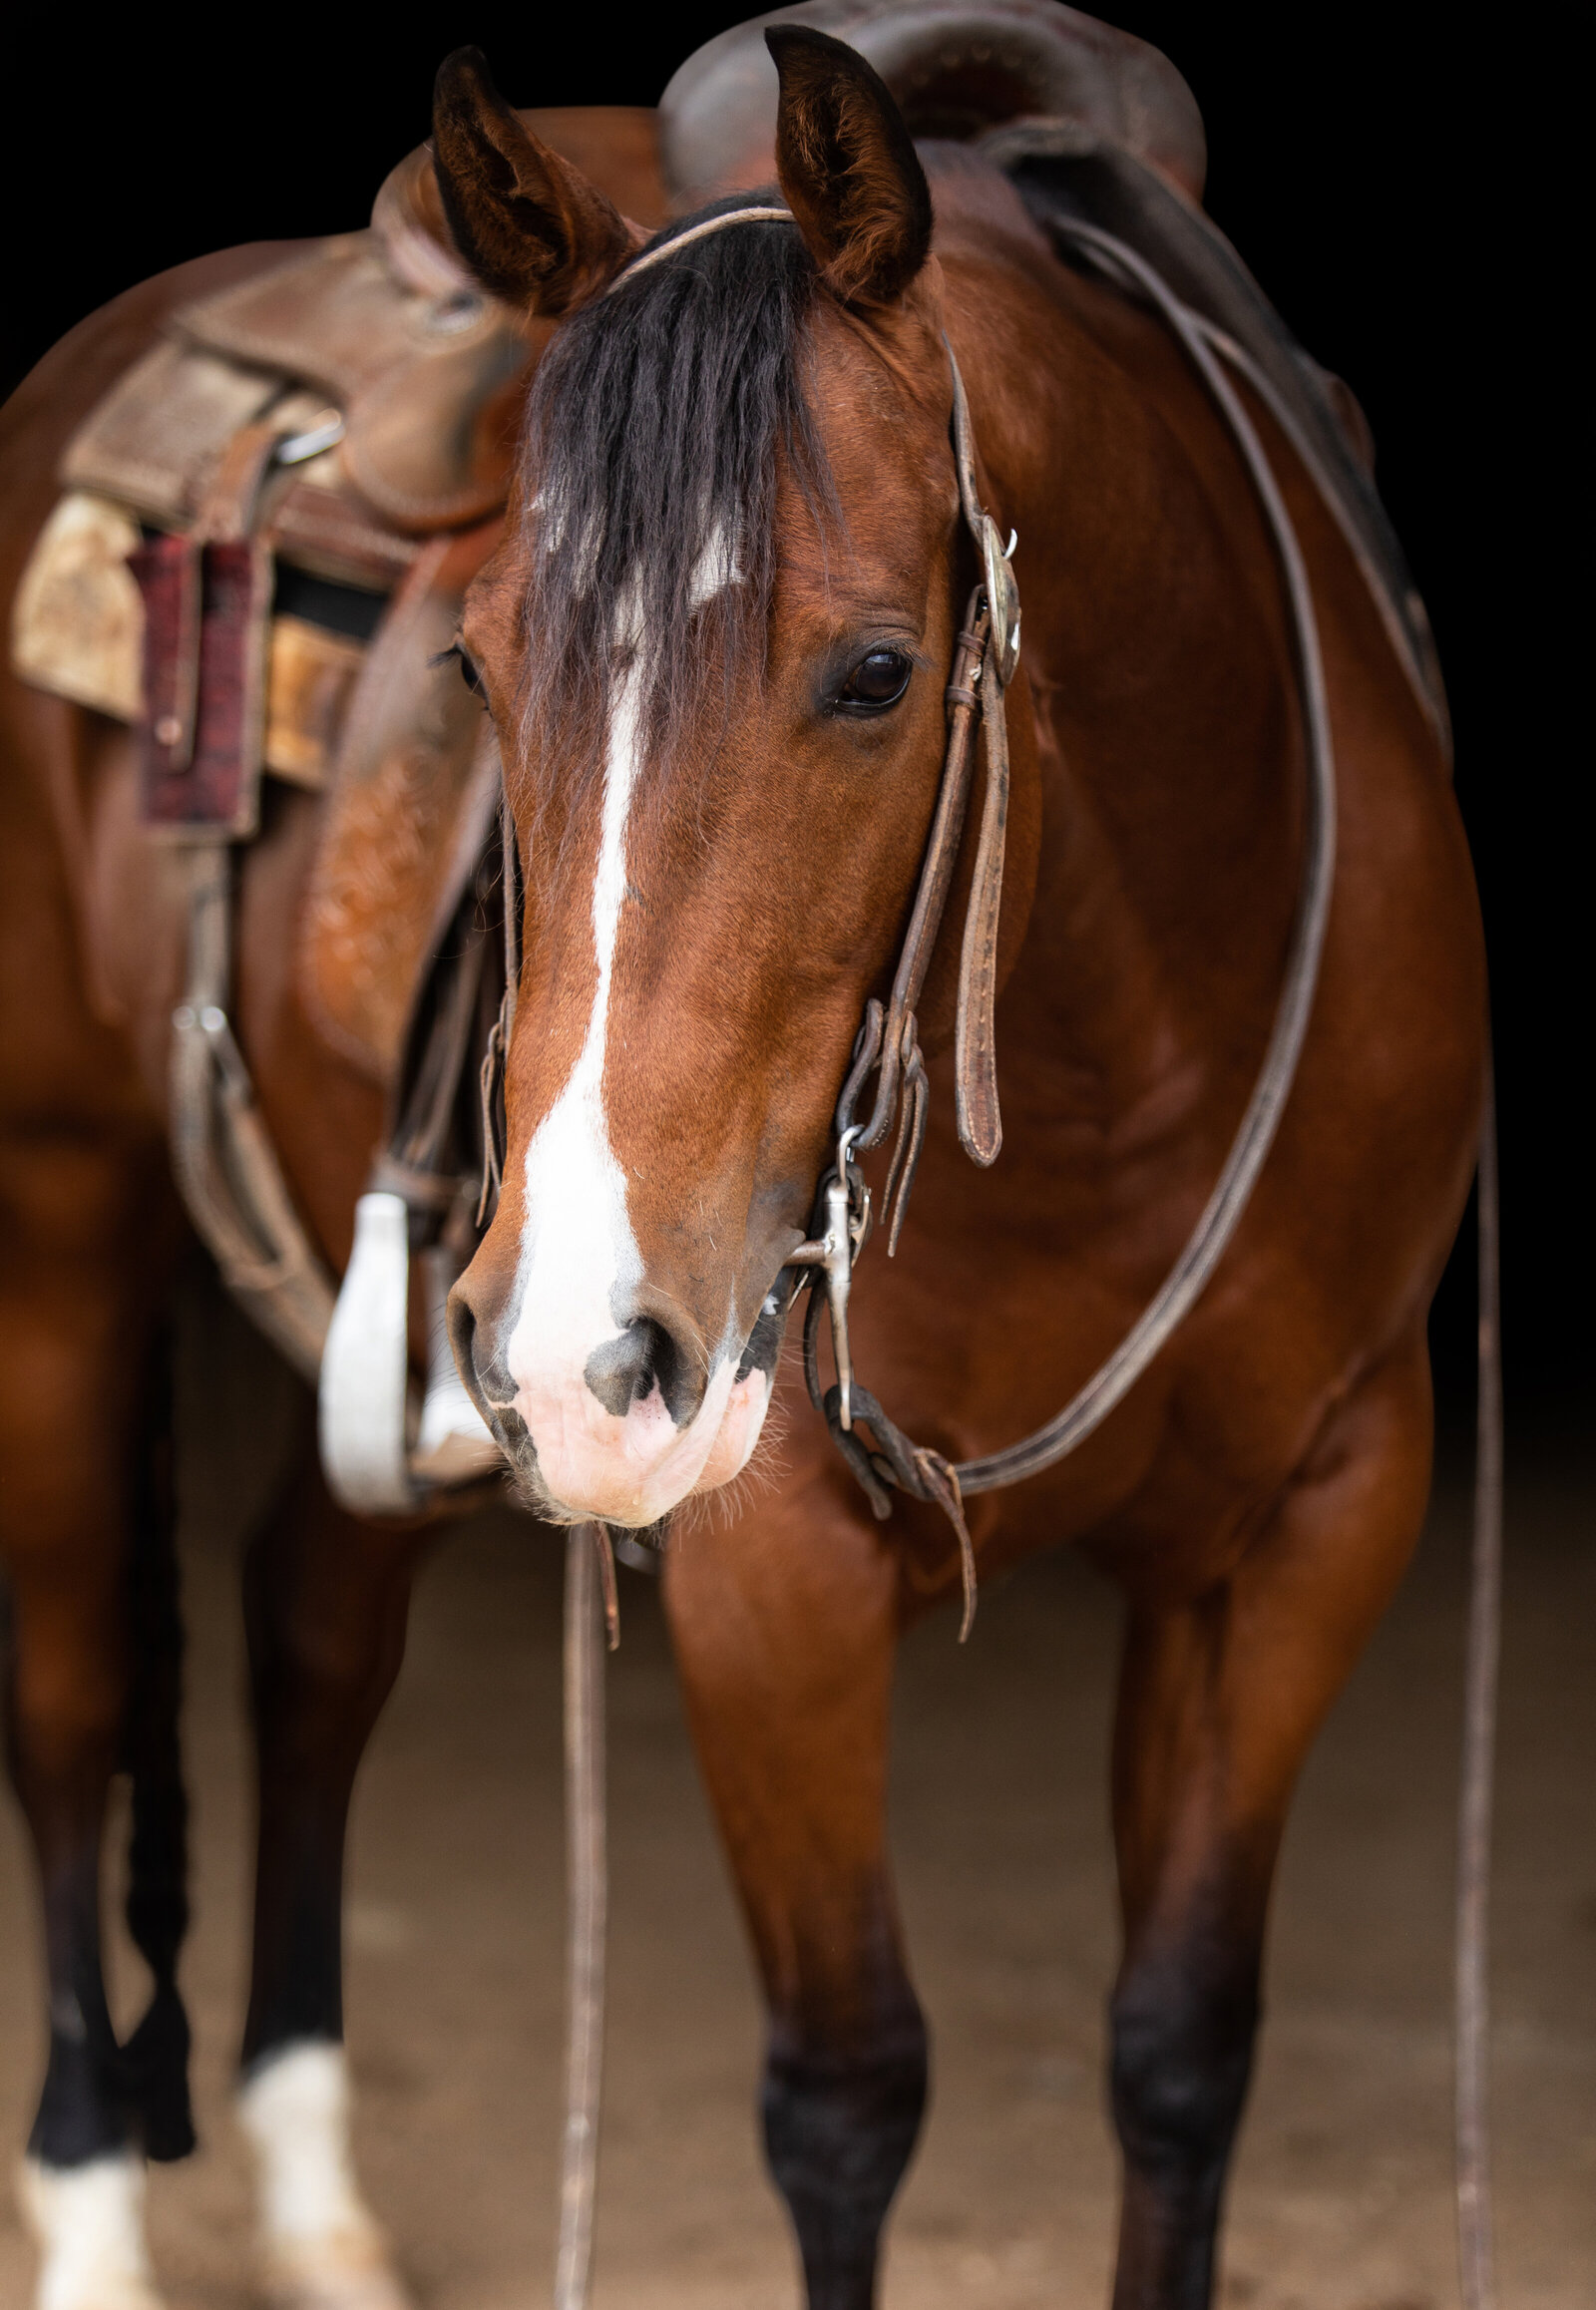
<point>1158,658</point>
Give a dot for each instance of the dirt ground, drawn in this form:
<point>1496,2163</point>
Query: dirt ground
<point>1340,2199</point>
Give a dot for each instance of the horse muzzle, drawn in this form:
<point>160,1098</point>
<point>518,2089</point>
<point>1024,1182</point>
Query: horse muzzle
<point>622,1429</point>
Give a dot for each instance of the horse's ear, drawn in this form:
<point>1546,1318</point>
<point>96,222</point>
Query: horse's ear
<point>848,167</point>
<point>532,228</point>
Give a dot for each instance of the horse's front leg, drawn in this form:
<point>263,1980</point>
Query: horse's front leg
<point>785,1628</point>
<point>326,1601</point>
<point>1220,1698</point>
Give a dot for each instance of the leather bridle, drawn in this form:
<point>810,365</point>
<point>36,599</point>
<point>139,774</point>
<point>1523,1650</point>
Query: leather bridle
<point>986,655</point>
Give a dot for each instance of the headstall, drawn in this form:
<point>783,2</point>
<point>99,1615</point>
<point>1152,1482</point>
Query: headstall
<point>986,655</point>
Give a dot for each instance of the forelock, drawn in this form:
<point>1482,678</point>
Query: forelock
<point>657,423</point>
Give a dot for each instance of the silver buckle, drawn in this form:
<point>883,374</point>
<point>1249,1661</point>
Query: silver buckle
<point>1003,598</point>
<point>847,1207</point>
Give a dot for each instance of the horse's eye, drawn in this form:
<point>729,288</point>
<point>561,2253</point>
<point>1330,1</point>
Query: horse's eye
<point>879,679</point>
<point>468,668</point>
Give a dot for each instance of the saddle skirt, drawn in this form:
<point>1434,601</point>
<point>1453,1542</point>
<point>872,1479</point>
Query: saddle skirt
<point>253,613</point>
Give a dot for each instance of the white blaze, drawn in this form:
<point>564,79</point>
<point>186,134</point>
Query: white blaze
<point>579,1259</point>
<point>578,1251</point>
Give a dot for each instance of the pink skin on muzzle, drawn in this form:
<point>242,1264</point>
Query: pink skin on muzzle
<point>635,1469</point>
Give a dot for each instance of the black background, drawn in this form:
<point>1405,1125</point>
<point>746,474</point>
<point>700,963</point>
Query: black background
<point>1393,181</point>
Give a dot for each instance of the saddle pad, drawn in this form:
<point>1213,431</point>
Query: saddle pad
<point>77,621</point>
<point>77,628</point>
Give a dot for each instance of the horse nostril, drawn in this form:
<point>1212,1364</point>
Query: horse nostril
<point>487,1383</point>
<point>461,1318</point>
<point>622,1371</point>
<point>625,1369</point>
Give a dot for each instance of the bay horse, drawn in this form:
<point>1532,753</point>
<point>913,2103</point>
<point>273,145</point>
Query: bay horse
<point>713,644</point>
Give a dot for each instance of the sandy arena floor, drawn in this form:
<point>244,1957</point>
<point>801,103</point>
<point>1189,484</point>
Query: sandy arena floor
<point>1341,2198</point>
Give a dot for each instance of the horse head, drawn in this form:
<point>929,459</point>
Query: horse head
<point>714,643</point>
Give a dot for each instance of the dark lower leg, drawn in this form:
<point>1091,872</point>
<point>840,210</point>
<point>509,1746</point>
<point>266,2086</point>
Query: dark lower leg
<point>1182,2024</point>
<point>326,1600</point>
<point>64,1694</point>
<point>840,2129</point>
<point>156,2057</point>
<point>85,1537</point>
<point>785,1641</point>
<point>83,2109</point>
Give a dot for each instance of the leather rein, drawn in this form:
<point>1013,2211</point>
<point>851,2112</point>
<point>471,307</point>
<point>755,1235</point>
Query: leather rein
<point>986,656</point>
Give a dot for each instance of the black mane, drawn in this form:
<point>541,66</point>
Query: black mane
<point>655,425</point>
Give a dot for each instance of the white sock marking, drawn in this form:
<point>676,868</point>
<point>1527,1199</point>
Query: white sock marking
<point>319,2240</point>
<point>89,2224</point>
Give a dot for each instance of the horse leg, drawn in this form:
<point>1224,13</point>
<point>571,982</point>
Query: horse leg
<point>326,1599</point>
<point>85,1539</point>
<point>786,1644</point>
<point>1220,1698</point>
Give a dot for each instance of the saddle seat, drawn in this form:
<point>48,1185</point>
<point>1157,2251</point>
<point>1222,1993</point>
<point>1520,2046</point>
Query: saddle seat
<point>956,68</point>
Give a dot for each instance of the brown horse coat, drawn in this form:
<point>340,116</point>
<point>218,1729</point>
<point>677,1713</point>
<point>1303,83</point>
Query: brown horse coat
<point>1257,1495</point>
